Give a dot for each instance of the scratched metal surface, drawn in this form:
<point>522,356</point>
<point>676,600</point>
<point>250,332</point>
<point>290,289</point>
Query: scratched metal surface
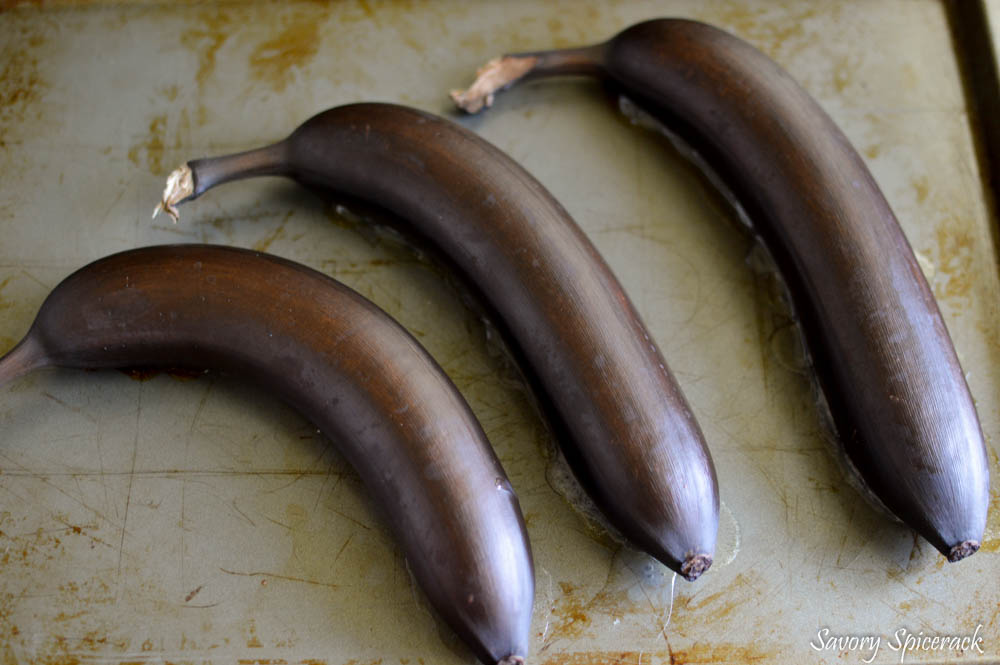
<point>203,521</point>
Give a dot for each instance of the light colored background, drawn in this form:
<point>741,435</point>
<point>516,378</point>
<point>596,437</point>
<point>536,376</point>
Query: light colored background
<point>201,520</point>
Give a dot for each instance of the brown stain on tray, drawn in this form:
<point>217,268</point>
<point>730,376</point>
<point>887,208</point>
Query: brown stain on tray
<point>575,611</point>
<point>570,614</point>
<point>719,608</point>
<point>152,147</point>
<point>720,653</point>
<point>5,304</point>
<point>21,82</point>
<point>264,244</point>
<point>602,658</point>
<point>721,604</point>
<point>956,260</point>
<point>697,654</point>
<point>205,37</point>
<point>842,71</point>
<point>778,35</point>
<point>274,60</point>
<point>991,537</point>
<point>921,188</point>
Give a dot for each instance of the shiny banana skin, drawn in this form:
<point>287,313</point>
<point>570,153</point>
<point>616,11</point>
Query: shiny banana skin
<point>880,349</point>
<point>352,371</point>
<point>624,425</point>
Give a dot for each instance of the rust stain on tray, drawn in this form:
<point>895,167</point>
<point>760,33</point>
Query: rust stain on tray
<point>264,244</point>
<point>205,37</point>
<point>152,147</point>
<point>776,35</point>
<point>991,537</point>
<point>602,658</point>
<point>720,653</point>
<point>921,188</point>
<point>721,604</point>
<point>697,654</point>
<point>718,608</point>
<point>253,641</point>
<point>273,61</point>
<point>842,74</point>
<point>955,260</point>
<point>570,613</point>
<point>5,304</point>
<point>21,83</point>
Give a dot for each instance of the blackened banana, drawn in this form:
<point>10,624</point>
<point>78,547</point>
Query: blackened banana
<point>349,368</point>
<point>632,439</point>
<point>882,354</point>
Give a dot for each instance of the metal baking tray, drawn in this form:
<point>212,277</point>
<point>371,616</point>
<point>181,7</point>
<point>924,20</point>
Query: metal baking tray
<point>196,519</point>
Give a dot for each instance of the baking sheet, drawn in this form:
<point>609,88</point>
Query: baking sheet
<point>174,519</point>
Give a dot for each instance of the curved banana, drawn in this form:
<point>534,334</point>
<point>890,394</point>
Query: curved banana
<point>632,439</point>
<point>882,354</point>
<point>349,368</point>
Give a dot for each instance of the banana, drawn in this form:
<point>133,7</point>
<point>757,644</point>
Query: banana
<point>348,367</point>
<point>627,429</point>
<point>883,357</point>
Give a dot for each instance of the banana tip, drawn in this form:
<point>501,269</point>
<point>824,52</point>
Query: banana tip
<point>694,565</point>
<point>962,550</point>
<point>511,660</point>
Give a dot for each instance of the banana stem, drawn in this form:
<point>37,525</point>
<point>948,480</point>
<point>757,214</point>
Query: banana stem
<point>503,72</point>
<point>180,185</point>
<point>20,360</point>
<point>191,180</point>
